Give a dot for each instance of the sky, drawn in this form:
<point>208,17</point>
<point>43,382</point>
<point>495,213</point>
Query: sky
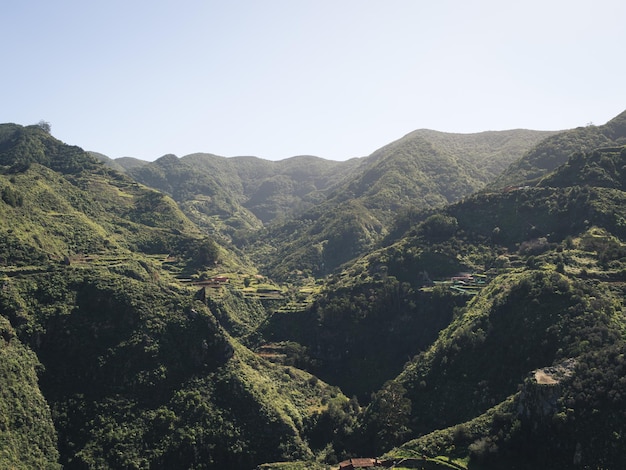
<point>279,78</point>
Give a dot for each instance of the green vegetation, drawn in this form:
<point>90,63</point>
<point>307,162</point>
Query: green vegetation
<point>319,214</point>
<point>136,371</point>
<point>223,317</point>
<point>491,152</point>
<point>354,331</point>
<point>556,150</point>
<point>421,171</point>
<point>27,435</point>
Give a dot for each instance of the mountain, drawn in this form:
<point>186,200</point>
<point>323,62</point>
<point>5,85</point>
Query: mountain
<point>119,164</point>
<point>602,168</point>
<point>218,313</point>
<point>555,150</point>
<point>107,161</point>
<point>431,168</point>
<point>59,202</point>
<point>506,375</point>
<point>509,304</point>
<point>289,186</point>
<point>232,198</point>
<point>28,436</point>
<point>340,209</point>
<point>112,358</point>
<point>490,151</point>
<point>128,163</point>
<point>423,170</point>
<point>516,397</point>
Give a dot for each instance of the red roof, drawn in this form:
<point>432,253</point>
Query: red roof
<point>358,463</point>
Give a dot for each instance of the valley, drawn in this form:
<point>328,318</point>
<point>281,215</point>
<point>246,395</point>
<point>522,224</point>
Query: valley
<point>450,301</point>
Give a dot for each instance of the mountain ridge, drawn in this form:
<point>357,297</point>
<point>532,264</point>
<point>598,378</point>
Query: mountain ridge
<point>475,326</point>
<point>124,364</point>
<point>406,175</point>
<point>555,150</point>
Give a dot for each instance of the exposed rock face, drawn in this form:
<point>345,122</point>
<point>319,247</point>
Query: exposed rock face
<point>555,374</point>
<point>541,391</point>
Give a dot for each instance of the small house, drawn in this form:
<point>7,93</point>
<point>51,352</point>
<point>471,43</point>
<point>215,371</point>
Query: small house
<point>353,464</point>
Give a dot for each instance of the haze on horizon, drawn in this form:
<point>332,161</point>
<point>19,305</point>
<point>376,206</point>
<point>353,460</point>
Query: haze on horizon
<point>279,78</point>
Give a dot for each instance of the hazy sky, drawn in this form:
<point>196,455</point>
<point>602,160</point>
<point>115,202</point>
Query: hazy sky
<point>278,78</point>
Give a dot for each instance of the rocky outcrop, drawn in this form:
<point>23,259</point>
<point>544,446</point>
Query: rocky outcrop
<point>542,389</point>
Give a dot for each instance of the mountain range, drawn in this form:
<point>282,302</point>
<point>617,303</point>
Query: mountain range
<point>332,203</point>
<point>450,301</point>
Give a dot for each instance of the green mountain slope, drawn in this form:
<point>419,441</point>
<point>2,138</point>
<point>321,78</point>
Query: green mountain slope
<point>547,213</point>
<point>491,151</point>
<point>555,150</point>
<point>289,186</point>
<point>502,384</point>
<point>27,435</point>
<point>360,336</point>
<point>561,414</point>
<point>137,369</point>
<point>422,170</point>
<point>478,329</point>
<point>447,159</point>
<point>341,209</point>
<point>601,168</point>
<point>128,162</point>
<point>208,190</point>
<point>505,333</point>
<point>138,374</point>
<point>231,196</point>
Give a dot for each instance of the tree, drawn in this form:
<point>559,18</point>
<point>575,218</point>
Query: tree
<point>11,196</point>
<point>439,226</point>
<point>45,125</point>
<point>389,415</point>
<point>206,252</point>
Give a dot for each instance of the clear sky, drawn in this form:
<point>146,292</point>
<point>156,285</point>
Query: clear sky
<point>278,78</point>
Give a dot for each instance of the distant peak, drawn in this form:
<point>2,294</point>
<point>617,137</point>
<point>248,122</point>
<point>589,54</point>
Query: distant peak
<point>168,158</point>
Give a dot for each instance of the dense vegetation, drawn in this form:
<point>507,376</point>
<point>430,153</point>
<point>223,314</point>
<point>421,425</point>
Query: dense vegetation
<point>27,434</point>
<point>556,150</point>
<point>108,359</point>
<point>319,214</point>
<point>224,317</point>
<point>231,196</point>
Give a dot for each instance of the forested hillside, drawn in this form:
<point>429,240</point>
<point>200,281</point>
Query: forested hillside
<point>421,171</point>
<point>111,359</point>
<point>232,196</point>
<point>204,312</point>
<point>530,280</point>
<point>555,150</point>
<point>502,384</point>
<point>307,214</point>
